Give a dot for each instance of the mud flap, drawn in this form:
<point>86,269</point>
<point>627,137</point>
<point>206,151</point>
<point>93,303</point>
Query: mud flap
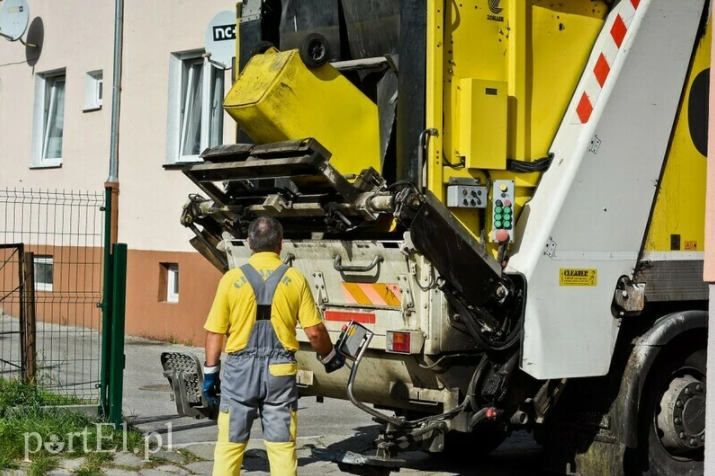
<point>186,378</point>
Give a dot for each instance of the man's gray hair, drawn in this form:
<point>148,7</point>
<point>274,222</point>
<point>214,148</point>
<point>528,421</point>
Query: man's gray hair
<point>265,234</point>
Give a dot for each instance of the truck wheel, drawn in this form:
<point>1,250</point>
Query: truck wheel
<point>672,417</point>
<point>314,50</point>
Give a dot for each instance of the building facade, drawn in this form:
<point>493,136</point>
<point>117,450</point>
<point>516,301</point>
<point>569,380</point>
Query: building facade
<point>55,117</point>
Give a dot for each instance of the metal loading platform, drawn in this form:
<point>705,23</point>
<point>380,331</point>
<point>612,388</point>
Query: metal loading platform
<point>294,181</point>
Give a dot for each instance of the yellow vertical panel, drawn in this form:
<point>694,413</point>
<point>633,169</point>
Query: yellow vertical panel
<point>519,91</point>
<point>560,43</point>
<point>434,105</point>
<point>476,47</point>
<point>483,123</point>
<point>539,48</point>
<point>680,204</point>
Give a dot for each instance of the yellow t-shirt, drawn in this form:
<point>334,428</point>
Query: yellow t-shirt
<point>234,309</point>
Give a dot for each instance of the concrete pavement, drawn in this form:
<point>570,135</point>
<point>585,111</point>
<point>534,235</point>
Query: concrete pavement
<point>335,424</point>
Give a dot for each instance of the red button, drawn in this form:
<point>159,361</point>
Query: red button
<point>345,327</point>
<point>502,236</point>
<point>507,203</point>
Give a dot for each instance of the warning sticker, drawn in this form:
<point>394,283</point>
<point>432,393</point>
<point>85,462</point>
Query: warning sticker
<point>691,246</point>
<point>578,277</point>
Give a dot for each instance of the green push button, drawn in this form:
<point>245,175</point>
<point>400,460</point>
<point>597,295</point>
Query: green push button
<point>497,224</point>
<point>497,209</point>
<point>507,224</point>
<point>506,211</point>
<point>498,217</point>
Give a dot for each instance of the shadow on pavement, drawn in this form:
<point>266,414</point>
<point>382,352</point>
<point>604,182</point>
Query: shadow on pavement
<point>517,456</point>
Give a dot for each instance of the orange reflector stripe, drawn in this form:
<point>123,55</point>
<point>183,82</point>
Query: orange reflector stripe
<point>344,316</point>
<point>377,294</point>
<point>357,294</point>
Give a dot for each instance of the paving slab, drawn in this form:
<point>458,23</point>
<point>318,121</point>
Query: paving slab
<point>205,451</point>
<point>59,472</point>
<point>200,467</point>
<point>72,464</point>
<point>163,470</point>
<point>171,456</point>
<point>128,460</point>
<point>118,472</point>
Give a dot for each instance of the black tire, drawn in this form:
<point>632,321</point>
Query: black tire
<point>260,48</point>
<point>653,459</point>
<point>314,50</point>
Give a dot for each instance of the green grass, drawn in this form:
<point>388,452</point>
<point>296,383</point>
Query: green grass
<point>14,393</point>
<point>94,463</point>
<point>41,465</point>
<point>29,418</point>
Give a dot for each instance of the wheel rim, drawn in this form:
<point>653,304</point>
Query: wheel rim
<point>316,50</point>
<point>679,419</point>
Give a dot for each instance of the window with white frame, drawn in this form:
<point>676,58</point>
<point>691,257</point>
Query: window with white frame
<point>49,118</point>
<point>93,91</point>
<point>172,282</point>
<point>44,273</point>
<point>196,90</point>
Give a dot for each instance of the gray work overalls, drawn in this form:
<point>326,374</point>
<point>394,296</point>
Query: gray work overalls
<point>248,385</point>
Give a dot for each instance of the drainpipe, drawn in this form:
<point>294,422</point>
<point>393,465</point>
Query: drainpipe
<point>116,91</point>
<point>112,184</point>
<point>111,210</point>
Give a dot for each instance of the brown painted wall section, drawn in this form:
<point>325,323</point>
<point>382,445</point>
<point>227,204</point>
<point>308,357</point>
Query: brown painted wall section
<point>149,315</point>
<point>76,291</point>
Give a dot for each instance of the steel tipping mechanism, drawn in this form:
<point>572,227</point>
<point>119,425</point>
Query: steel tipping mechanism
<point>295,181</point>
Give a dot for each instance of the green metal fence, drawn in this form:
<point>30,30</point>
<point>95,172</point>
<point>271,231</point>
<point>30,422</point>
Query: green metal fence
<point>62,295</point>
<point>50,318</point>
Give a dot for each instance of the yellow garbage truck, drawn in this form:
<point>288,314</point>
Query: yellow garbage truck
<point>502,199</point>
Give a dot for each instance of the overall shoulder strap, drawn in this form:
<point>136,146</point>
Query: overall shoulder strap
<point>254,279</point>
<point>263,290</point>
<point>271,284</point>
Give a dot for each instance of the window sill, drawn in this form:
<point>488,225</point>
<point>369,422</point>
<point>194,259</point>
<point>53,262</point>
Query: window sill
<point>91,108</point>
<point>181,165</point>
<point>47,165</point>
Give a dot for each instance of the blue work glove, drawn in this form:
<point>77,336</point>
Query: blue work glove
<point>212,384</point>
<point>333,361</point>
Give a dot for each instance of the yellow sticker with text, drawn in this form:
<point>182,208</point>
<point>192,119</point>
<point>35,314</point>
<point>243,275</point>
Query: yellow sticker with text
<point>578,277</point>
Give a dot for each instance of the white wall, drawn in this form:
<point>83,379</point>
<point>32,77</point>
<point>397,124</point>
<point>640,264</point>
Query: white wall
<point>78,36</point>
<point>151,197</point>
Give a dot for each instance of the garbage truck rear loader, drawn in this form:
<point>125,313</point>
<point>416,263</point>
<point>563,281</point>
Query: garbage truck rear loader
<point>505,199</point>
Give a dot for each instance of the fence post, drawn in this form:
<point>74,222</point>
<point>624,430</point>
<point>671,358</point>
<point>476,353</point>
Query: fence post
<point>106,306</point>
<point>29,349</point>
<point>116,369</point>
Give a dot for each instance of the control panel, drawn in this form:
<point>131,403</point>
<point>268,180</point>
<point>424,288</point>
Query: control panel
<point>503,211</point>
<point>466,193</point>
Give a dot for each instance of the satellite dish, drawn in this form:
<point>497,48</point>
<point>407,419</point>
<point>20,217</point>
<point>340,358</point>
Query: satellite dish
<point>14,18</point>
<point>221,39</point>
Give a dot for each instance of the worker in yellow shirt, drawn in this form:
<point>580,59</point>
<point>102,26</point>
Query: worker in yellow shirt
<point>257,306</point>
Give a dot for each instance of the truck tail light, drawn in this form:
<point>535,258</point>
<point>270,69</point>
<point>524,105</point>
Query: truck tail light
<point>399,342</point>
